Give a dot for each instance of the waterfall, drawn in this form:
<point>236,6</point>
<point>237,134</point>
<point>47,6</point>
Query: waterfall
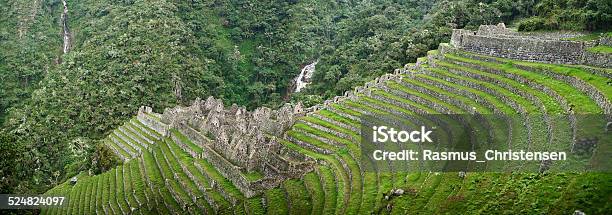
<point>65,30</point>
<point>304,78</point>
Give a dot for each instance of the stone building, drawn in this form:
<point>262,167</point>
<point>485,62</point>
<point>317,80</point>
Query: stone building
<point>551,47</point>
<point>236,141</point>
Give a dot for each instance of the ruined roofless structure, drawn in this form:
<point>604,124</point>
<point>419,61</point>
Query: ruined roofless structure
<point>235,141</point>
<point>548,47</point>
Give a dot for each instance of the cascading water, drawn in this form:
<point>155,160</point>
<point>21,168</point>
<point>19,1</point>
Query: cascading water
<point>65,30</point>
<point>304,78</point>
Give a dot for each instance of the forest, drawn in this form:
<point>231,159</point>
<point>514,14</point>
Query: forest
<point>55,107</point>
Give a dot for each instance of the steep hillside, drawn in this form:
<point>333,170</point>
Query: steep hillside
<point>71,71</point>
<point>29,47</point>
<point>166,170</point>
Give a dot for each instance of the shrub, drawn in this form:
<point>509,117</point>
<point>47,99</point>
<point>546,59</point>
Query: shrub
<point>531,24</point>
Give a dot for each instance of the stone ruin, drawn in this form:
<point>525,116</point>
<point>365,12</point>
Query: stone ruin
<point>236,141</point>
<point>549,47</point>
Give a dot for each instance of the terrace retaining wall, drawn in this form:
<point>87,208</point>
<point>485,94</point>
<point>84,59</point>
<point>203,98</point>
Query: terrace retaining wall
<point>499,41</point>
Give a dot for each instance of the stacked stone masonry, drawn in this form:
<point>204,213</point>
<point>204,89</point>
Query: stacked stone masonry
<point>235,141</point>
<point>499,41</point>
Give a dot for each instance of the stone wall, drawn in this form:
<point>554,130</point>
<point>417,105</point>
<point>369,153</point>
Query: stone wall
<point>235,141</point>
<point>366,88</point>
<point>606,41</point>
<point>499,41</point>
<point>235,133</point>
<point>598,59</point>
<point>145,116</point>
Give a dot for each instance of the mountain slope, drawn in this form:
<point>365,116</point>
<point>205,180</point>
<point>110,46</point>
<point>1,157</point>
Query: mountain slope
<point>165,178</point>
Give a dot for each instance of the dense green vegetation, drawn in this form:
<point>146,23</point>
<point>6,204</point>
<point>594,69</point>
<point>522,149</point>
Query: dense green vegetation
<point>56,109</point>
<point>376,38</point>
<point>591,15</point>
<point>29,48</point>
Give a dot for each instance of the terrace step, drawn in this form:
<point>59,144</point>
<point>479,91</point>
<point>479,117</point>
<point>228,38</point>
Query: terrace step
<point>431,104</point>
<point>546,87</point>
<point>409,101</point>
<point>315,190</point>
<point>129,189</point>
<point>93,198</point>
<point>148,190</point>
<point>510,98</point>
<point>363,109</point>
<point>180,175</point>
<point>120,195</point>
<point>315,126</point>
<point>84,198</point>
<point>578,83</point>
<point>131,142</point>
<point>343,182</point>
<point>118,151</point>
<point>369,194</point>
<point>531,99</point>
<point>276,201</point>
<point>328,182</point>
<point>352,169</point>
<point>141,143</point>
<point>213,198</point>
<point>440,95</point>
<point>560,99</point>
<point>391,107</point>
<point>144,130</point>
<point>330,112</point>
<point>466,105</point>
<point>515,88</point>
<point>444,75</point>
<point>185,144</point>
<point>343,185</point>
<point>309,146</point>
<point>156,181</point>
<point>113,203</point>
<point>168,180</point>
<point>152,121</point>
<point>319,138</point>
<point>126,147</point>
<point>449,88</point>
<point>298,198</point>
<point>344,112</point>
<point>148,140</point>
<point>218,183</point>
<point>337,123</point>
<point>431,118</point>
